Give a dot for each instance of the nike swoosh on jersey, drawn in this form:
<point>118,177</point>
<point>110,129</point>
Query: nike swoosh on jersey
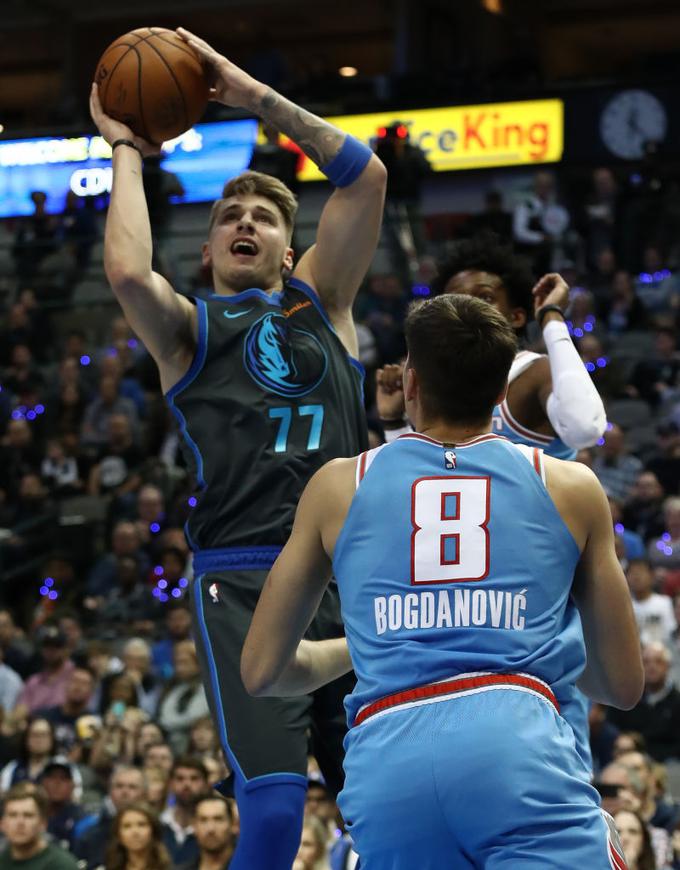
<point>232,314</point>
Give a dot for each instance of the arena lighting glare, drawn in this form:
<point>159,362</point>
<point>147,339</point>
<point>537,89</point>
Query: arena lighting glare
<point>494,6</point>
<point>348,72</point>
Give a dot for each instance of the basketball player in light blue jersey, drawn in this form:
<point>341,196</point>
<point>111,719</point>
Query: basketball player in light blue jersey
<point>551,401</point>
<point>463,562</point>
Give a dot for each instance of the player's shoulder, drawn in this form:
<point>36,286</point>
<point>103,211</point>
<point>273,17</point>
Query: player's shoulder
<point>573,485</point>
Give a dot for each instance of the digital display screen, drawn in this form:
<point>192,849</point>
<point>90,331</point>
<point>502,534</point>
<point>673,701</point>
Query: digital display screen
<point>203,159</point>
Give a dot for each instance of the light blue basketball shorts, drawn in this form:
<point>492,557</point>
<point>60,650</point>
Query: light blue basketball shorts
<point>487,780</point>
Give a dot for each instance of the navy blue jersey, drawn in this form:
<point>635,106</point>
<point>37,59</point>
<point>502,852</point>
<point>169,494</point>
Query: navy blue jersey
<point>271,395</point>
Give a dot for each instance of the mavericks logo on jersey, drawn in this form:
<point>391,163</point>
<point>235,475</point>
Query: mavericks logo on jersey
<point>282,359</point>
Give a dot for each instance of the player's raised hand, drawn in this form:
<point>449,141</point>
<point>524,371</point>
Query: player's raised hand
<point>230,84</point>
<point>111,129</point>
<point>551,289</point>
<point>389,394</point>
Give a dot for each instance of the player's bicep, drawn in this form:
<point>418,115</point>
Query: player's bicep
<point>164,320</point>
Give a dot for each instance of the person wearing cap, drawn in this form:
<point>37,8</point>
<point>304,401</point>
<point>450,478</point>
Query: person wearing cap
<point>47,688</point>
<point>62,783</point>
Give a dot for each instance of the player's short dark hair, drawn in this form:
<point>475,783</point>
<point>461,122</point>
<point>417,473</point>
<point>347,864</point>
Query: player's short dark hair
<point>486,252</point>
<point>251,183</point>
<point>26,791</point>
<point>461,349</point>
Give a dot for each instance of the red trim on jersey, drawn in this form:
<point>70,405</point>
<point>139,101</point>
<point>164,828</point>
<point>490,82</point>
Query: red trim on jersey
<point>362,465</point>
<point>452,687</point>
<point>537,461</point>
<point>617,860</point>
<point>510,421</point>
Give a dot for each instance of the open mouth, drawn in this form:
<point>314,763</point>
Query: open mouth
<point>244,247</point>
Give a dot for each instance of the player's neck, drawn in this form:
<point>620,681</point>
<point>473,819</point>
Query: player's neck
<point>233,288</point>
<point>448,433</point>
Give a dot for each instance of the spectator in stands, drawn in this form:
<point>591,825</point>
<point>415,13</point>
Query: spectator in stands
<point>492,219</point>
<point>19,455</point>
<point>177,629</point>
<point>117,461</point>
<point>600,218</point>
<point>313,850</point>
<point>38,745</point>
<point>135,841</point>
<point>32,519</point>
<point>136,658</point>
<point>159,756</point>
<point>112,365</point>
<point>655,285</point>
<point>665,463</point>
<point>654,378</point>
<point>19,329</point>
<point>60,471</point>
<point>63,717</point>
<point>599,280</point>
<point>656,810</point>
<point>47,687</point>
<point>212,822</point>
<point>96,429</point>
<point>203,740</point>
<point>156,788</point>
<point>23,378</point>
<point>635,840</point>
<point>24,822</point>
<point>184,702</point>
<point>615,467</point>
<point>382,308</point>
<point>128,606</point>
<point>657,714</point>
<point>59,780</point>
<point>78,231</point>
<point>150,518</point>
<point>188,780</point>
<point>622,309</point>
<point>653,612</point>
<point>35,239</point>
<point>125,542</point>
<point>540,223</point>
<point>17,652</point>
<point>644,511</point>
<point>605,372</point>
<point>664,553</point>
<point>11,685</point>
<point>634,546</point>
<point>126,786</point>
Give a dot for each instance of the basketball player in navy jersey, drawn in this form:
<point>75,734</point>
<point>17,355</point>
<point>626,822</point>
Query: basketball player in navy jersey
<point>476,577</point>
<point>551,402</point>
<point>261,378</point>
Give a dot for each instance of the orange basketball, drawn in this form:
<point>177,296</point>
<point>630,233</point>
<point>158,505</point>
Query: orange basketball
<point>151,80</point>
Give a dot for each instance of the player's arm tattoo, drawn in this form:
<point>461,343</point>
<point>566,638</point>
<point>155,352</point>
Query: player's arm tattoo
<point>319,140</point>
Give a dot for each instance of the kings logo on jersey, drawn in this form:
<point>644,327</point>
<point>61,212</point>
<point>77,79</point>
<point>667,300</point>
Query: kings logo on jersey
<point>282,359</point>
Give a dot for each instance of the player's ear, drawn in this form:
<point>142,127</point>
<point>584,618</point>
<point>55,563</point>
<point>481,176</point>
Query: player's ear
<point>288,259</point>
<point>518,318</point>
<point>410,384</point>
<point>206,257</point>
<point>502,396</point>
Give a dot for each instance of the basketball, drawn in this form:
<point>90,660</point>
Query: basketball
<point>151,80</point>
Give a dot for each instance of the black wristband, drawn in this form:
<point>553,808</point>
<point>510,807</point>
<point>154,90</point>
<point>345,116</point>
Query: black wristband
<point>129,143</point>
<point>544,309</point>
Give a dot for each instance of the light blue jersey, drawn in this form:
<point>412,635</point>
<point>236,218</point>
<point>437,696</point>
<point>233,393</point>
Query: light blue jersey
<point>503,423</point>
<point>454,569</point>
<point>477,576</point>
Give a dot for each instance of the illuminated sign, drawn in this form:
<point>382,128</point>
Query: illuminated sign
<point>469,137</point>
<point>208,155</point>
<point>203,159</point>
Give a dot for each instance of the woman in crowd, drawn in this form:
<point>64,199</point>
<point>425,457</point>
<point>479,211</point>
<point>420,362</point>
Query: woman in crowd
<point>135,842</point>
<point>185,702</point>
<point>313,850</point>
<point>636,841</point>
<point>36,749</point>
